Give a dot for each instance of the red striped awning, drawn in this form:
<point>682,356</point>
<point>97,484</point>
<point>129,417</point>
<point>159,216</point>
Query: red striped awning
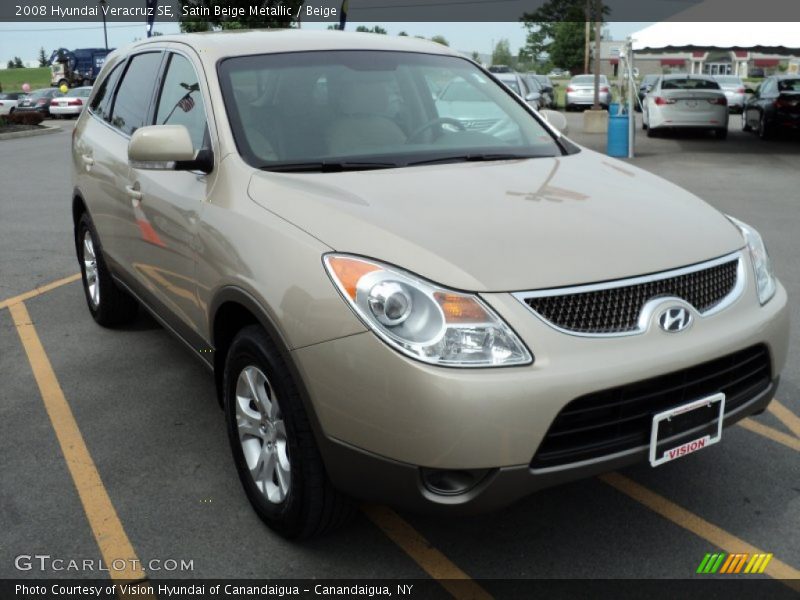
<point>741,53</point>
<point>699,54</point>
<point>673,62</point>
<point>613,61</point>
<point>766,62</point>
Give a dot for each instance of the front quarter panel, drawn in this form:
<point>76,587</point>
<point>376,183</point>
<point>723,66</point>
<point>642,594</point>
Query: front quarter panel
<point>242,245</point>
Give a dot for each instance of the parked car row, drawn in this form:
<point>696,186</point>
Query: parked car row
<point>50,102</point>
<point>580,92</point>
<point>682,101</point>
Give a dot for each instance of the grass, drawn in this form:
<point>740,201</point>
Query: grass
<point>12,79</point>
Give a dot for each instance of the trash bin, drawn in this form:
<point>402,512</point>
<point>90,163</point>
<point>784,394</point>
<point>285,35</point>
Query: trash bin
<point>617,135</point>
<point>613,108</point>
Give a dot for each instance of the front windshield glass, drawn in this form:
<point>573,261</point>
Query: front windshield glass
<point>376,109</point>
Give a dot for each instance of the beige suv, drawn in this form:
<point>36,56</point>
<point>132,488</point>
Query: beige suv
<point>440,305</point>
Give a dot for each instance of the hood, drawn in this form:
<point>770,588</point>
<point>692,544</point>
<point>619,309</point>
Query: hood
<point>505,226</point>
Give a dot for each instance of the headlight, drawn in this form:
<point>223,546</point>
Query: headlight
<point>424,321</point>
<point>762,265</point>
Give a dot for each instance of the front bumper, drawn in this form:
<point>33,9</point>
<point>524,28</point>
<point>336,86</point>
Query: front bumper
<point>380,411</point>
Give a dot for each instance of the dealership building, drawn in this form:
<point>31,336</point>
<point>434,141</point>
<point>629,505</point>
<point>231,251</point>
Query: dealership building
<point>743,49</point>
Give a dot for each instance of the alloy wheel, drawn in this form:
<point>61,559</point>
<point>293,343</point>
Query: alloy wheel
<point>90,267</point>
<point>262,434</point>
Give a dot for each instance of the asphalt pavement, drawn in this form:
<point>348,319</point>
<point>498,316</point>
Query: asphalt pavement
<point>152,426</point>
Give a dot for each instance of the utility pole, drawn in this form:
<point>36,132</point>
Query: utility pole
<point>587,33</point>
<point>597,55</point>
<point>103,12</point>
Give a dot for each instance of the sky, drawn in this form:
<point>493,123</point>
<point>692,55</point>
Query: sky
<point>24,39</point>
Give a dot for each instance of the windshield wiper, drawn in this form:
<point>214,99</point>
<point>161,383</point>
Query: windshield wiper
<point>472,158</point>
<point>326,166</point>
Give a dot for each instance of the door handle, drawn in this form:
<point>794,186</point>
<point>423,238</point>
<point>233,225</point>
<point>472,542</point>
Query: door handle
<point>133,192</point>
<point>87,160</point>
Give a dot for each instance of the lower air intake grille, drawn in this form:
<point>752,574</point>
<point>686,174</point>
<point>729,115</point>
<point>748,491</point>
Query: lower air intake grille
<point>619,419</point>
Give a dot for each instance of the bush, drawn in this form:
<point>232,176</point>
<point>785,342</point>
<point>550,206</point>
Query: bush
<point>25,118</point>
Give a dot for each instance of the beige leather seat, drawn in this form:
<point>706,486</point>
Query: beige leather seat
<point>362,126</point>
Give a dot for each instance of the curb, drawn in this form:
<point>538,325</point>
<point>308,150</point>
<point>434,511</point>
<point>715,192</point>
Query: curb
<point>30,133</point>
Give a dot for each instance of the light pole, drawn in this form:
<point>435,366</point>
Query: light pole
<point>103,12</point>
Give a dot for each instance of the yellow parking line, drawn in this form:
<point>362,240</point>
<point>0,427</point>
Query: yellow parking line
<point>39,290</point>
<point>785,416</point>
<point>772,434</point>
<point>699,526</point>
<point>432,561</point>
<point>106,526</point>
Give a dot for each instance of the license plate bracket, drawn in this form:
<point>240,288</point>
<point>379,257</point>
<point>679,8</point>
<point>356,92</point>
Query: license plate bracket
<point>691,446</point>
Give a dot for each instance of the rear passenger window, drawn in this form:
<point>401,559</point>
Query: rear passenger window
<point>180,102</point>
<point>101,103</point>
<point>132,100</point>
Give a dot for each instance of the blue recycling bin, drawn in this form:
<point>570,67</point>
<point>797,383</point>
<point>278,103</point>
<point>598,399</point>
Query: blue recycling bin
<point>617,135</point>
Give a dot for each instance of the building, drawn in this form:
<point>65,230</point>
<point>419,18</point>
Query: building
<point>743,49</point>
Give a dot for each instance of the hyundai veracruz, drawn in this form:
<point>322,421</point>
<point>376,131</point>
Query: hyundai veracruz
<point>400,301</point>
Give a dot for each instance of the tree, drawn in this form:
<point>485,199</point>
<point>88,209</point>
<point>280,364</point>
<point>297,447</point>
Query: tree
<point>18,63</point>
<point>567,47</point>
<point>440,39</point>
<point>403,34</point>
<point>476,57</point>
<point>559,25</point>
<point>43,62</point>
<point>196,21</point>
<point>501,55</point>
<point>10,64</point>
<point>375,29</point>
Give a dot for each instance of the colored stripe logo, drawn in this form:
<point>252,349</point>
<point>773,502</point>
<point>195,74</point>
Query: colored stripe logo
<point>721,562</point>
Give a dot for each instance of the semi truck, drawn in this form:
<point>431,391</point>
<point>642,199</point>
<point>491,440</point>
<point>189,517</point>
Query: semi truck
<point>76,67</point>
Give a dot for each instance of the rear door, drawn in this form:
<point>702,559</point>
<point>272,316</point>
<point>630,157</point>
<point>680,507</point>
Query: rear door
<point>121,105</point>
<point>167,204</point>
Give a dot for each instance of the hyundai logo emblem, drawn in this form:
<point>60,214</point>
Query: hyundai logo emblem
<point>675,319</point>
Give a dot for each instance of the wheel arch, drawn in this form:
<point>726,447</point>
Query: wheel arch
<point>234,308</point>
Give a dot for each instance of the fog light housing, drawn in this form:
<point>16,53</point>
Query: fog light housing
<point>452,482</point>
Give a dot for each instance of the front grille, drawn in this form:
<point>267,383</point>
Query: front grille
<point>619,419</point>
<point>614,310</point>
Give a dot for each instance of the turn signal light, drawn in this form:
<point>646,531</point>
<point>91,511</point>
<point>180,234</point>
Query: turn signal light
<point>662,101</point>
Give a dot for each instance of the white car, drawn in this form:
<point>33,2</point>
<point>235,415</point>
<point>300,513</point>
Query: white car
<point>686,102</point>
<point>8,102</point>
<point>70,104</point>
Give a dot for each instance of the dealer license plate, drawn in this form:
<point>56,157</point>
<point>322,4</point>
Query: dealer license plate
<point>659,457</point>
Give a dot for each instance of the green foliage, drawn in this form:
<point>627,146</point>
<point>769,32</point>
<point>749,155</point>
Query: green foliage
<point>501,55</point>
<point>42,58</point>
<point>440,39</point>
<point>557,28</point>
<point>476,57</point>
<point>403,34</point>
<point>567,47</point>
<point>13,79</point>
<point>376,29</point>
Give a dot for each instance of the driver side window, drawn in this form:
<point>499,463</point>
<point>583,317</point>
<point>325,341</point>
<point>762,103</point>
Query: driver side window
<point>180,101</point>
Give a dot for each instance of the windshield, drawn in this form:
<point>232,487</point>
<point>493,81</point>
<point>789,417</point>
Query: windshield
<point>588,79</point>
<point>789,85</point>
<point>368,109</point>
<point>689,84</point>
<point>81,92</point>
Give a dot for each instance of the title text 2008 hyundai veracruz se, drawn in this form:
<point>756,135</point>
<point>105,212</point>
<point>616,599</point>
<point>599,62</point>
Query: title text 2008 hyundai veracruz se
<point>401,302</point>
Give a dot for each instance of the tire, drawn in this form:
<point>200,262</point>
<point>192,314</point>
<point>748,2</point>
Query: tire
<point>745,126</point>
<point>721,133</point>
<point>294,497</point>
<point>109,305</point>
<point>651,133</point>
<point>764,131</point>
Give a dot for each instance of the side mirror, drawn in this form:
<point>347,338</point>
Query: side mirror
<point>167,148</point>
<point>556,119</point>
<point>749,91</point>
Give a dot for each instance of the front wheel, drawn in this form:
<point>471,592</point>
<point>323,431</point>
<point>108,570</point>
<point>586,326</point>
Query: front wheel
<point>274,449</point>
<point>764,131</point>
<point>108,304</point>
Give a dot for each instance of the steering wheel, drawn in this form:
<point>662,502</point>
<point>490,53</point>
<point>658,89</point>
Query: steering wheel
<point>433,123</point>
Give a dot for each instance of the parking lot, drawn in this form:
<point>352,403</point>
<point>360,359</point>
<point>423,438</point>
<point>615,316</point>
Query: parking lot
<point>152,428</point>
